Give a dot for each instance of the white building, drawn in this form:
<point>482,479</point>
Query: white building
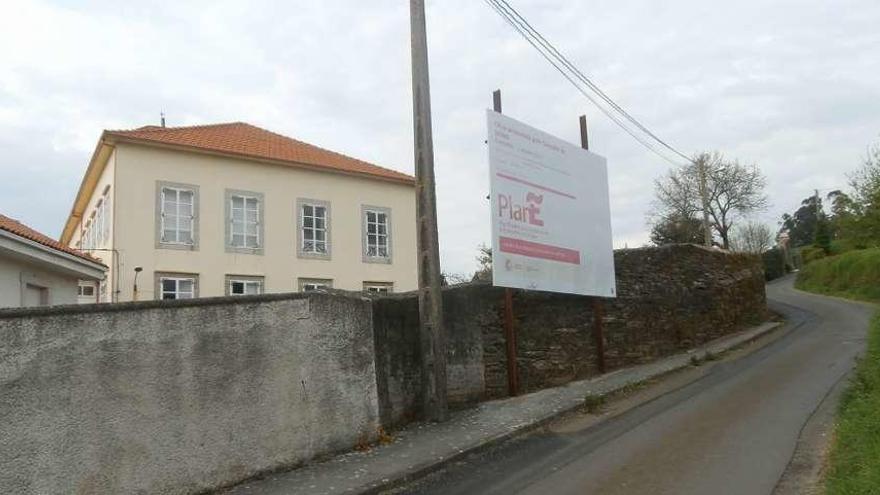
<point>36,270</point>
<point>232,209</point>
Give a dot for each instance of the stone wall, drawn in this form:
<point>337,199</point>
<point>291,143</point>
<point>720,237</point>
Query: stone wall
<point>181,396</point>
<point>669,299</point>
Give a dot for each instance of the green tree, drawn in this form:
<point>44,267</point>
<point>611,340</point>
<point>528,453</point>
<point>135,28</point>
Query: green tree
<point>823,234</point>
<point>864,225</point>
<point>801,226</point>
<point>841,212</point>
<point>677,229</point>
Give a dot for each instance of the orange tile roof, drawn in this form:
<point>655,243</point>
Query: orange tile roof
<point>241,139</point>
<point>15,227</point>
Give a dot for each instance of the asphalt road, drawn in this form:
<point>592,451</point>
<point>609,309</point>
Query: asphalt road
<point>732,430</point>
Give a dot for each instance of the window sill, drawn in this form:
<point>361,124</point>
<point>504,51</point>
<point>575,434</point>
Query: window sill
<point>243,250</point>
<point>313,256</point>
<point>377,260</point>
<point>177,246</point>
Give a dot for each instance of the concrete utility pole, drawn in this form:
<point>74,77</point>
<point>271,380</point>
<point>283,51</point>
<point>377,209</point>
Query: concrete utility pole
<point>704,196</point>
<point>432,331</point>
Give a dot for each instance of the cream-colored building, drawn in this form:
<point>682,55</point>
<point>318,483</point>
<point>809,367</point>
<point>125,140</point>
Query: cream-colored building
<point>36,270</point>
<point>232,209</point>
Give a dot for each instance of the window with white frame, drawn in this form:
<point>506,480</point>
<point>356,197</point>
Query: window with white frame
<point>245,211</point>
<point>175,286</point>
<point>243,286</point>
<point>98,224</point>
<point>314,224</point>
<point>106,216</point>
<point>177,215</point>
<point>314,284</point>
<point>88,235</point>
<point>377,234</point>
<point>379,287</point>
<point>93,234</point>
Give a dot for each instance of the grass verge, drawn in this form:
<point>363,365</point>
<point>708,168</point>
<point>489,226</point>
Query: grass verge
<point>854,466</point>
<point>854,274</point>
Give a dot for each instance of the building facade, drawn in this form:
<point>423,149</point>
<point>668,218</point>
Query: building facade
<point>233,209</point>
<point>36,270</point>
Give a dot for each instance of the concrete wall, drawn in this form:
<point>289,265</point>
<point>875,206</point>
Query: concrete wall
<point>180,396</point>
<point>137,168</point>
<point>14,273</point>
<point>670,299</point>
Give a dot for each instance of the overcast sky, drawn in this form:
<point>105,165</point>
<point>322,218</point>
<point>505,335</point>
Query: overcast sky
<point>790,85</point>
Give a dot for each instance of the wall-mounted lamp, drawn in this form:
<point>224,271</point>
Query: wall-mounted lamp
<point>137,270</point>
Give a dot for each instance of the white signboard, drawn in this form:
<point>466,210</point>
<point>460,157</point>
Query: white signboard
<point>551,221</point>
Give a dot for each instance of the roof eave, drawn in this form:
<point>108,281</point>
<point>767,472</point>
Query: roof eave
<point>96,167</point>
<point>40,252</point>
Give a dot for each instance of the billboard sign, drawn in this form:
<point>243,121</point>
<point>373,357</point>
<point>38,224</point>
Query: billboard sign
<point>551,220</point>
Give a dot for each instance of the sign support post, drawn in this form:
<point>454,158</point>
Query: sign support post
<point>509,330</point>
<point>598,309</point>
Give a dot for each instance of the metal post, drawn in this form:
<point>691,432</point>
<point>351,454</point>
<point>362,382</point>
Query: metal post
<point>510,340</point>
<point>598,308</point>
<point>509,330</point>
<point>585,138</point>
<point>704,196</point>
<point>431,329</point>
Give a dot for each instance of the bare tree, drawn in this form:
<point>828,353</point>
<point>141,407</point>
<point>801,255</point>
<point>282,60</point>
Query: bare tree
<point>732,190</point>
<point>751,237</point>
<point>451,278</point>
<point>484,258</point>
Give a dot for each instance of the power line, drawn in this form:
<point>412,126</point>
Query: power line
<point>565,67</point>
<point>611,116</point>
<point>588,82</point>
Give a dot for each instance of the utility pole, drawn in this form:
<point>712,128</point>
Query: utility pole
<point>432,332</point>
<point>704,196</point>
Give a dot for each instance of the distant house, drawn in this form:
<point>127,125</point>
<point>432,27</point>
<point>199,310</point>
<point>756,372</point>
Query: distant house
<point>233,209</point>
<point>36,270</point>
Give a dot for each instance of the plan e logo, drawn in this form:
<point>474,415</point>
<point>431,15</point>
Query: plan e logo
<point>525,211</point>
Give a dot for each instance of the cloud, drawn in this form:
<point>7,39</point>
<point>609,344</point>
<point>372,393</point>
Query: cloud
<point>788,85</point>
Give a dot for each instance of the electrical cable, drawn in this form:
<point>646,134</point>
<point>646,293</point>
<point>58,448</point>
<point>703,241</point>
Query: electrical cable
<point>561,63</point>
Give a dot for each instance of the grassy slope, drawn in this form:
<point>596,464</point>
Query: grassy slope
<point>855,274</point>
<point>855,456</point>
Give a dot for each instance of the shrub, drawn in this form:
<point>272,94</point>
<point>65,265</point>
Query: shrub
<point>774,263</point>
<point>810,254</point>
<point>854,274</point>
<point>853,463</point>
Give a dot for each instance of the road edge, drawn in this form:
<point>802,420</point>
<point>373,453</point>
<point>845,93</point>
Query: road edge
<point>721,345</point>
<point>805,472</point>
